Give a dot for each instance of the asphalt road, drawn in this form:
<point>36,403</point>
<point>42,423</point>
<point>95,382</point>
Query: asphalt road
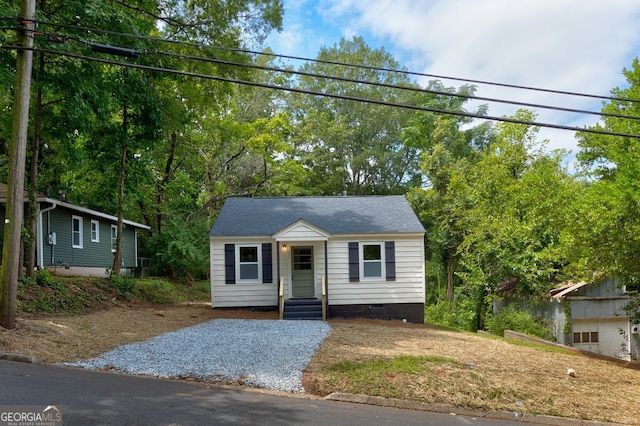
<point>100,398</point>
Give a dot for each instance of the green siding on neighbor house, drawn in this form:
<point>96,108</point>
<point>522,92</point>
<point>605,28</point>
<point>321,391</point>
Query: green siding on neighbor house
<point>92,254</point>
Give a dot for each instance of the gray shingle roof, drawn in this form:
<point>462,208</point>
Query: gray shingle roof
<point>337,215</point>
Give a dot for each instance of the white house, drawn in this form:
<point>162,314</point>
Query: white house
<point>363,255</point>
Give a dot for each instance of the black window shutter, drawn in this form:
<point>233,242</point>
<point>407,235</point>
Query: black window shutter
<point>267,268</point>
<point>390,259</point>
<point>230,263</point>
<point>354,263</point>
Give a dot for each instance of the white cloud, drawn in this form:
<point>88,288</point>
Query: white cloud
<point>571,45</point>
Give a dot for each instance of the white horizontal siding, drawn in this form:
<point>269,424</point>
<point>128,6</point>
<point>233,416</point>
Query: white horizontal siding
<point>240,294</point>
<point>407,288</point>
<point>301,232</point>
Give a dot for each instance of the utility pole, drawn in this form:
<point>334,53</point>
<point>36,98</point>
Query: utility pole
<point>14,214</point>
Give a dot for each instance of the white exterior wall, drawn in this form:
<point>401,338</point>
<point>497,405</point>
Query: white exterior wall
<point>611,341</point>
<point>408,287</point>
<point>239,294</point>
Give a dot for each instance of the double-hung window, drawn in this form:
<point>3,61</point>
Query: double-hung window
<point>76,231</point>
<point>95,231</point>
<point>114,237</point>
<point>248,262</point>
<point>372,260</point>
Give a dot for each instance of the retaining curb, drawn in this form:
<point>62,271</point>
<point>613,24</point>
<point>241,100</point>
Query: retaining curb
<point>520,416</point>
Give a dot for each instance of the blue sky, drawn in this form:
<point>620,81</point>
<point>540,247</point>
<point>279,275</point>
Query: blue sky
<point>572,45</point>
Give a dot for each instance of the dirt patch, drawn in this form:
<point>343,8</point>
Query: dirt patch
<point>484,372</point>
<point>70,338</point>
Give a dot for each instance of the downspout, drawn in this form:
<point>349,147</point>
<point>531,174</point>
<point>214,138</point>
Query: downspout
<point>40,246</point>
<point>135,247</point>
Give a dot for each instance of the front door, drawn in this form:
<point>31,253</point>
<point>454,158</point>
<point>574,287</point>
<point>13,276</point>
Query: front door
<point>302,277</point>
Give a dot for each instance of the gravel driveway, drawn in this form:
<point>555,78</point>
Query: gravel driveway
<point>269,354</point>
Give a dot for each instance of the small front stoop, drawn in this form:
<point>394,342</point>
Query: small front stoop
<point>303,309</point>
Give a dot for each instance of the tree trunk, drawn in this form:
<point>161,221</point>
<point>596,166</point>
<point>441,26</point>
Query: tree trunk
<point>450,275</point>
<point>117,256</point>
<point>14,207</point>
<point>168,174</point>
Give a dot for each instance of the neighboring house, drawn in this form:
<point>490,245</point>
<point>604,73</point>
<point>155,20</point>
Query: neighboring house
<point>597,321</point>
<point>365,254</point>
<point>74,240</point>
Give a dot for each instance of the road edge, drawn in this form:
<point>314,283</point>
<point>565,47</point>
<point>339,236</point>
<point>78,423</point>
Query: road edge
<point>517,415</point>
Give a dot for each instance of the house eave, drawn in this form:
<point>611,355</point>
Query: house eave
<point>92,212</point>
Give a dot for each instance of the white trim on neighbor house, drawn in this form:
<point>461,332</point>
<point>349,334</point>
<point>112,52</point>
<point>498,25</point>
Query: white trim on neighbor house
<point>95,232</point>
<point>114,237</point>
<point>76,242</point>
<point>91,212</point>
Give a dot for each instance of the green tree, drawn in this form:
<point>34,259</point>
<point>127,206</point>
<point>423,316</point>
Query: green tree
<point>99,124</point>
<point>605,237</point>
<point>445,150</point>
<point>348,145</point>
<point>514,215</point>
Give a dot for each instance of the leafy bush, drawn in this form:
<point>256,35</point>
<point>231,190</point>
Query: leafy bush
<point>41,278</point>
<point>182,249</point>
<point>512,318</point>
<point>123,285</point>
<point>156,291</point>
<point>457,314</point>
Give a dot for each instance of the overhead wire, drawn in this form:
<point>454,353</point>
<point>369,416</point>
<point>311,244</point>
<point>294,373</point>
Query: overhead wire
<point>328,95</point>
<point>344,79</point>
<point>389,86</point>
<point>291,89</point>
<point>328,62</point>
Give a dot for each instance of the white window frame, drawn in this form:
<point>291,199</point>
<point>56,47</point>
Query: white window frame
<point>382,260</point>
<point>95,231</point>
<point>76,219</point>
<point>114,237</point>
<point>239,263</point>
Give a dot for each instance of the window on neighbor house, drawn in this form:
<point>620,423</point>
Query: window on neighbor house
<point>114,237</point>
<point>76,232</point>
<point>248,263</point>
<point>586,337</point>
<point>95,231</point>
<point>372,260</point>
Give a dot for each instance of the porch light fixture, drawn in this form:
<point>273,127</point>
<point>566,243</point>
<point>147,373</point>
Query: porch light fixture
<point>284,248</point>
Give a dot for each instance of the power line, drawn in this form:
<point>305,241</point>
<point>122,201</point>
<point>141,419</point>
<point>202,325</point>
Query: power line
<point>135,53</point>
<point>371,68</point>
<point>330,95</point>
<point>389,86</point>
